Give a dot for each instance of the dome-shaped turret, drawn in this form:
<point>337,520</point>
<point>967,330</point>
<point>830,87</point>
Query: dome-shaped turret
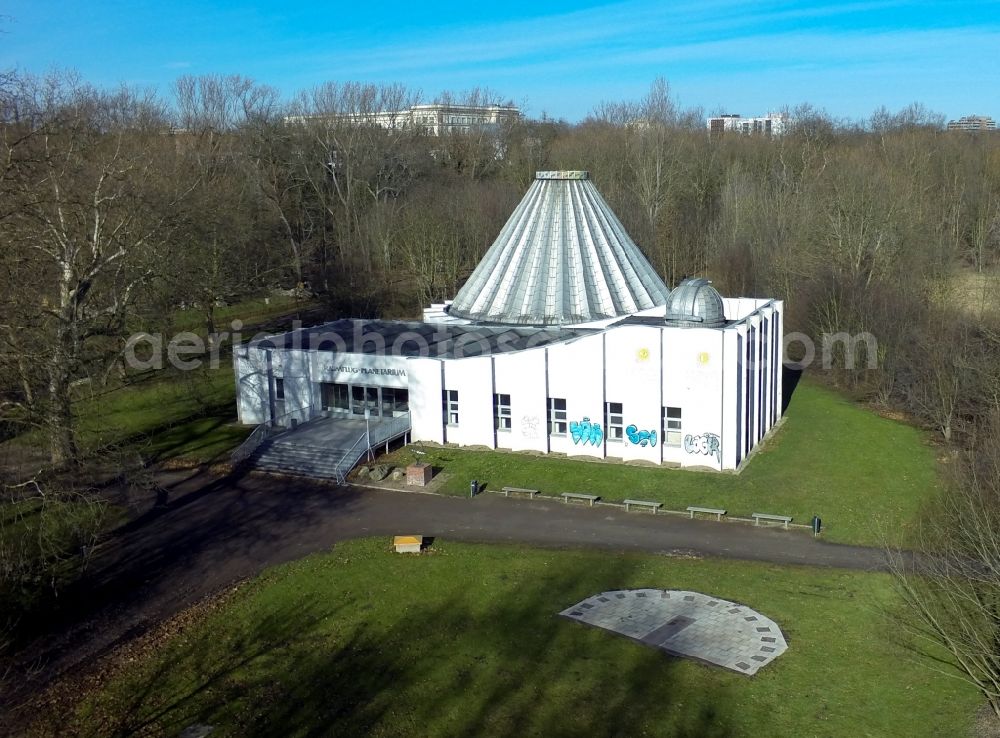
<point>695,302</point>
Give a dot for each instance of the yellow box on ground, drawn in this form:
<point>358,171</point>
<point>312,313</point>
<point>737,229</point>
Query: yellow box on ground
<point>408,544</point>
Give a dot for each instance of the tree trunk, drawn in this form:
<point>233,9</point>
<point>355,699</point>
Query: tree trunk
<point>62,439</point>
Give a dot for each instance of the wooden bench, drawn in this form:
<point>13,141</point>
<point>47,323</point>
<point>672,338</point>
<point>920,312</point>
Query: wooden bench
<point>519,490</point>
<point>757,517</point>
<point>707,510</point>
<point>567,496</point>
<point>654,506</point>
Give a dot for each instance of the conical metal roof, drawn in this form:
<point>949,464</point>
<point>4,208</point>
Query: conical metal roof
<point>562,258</point>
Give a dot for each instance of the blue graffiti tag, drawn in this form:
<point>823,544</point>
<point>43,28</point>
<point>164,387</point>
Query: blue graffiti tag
<point>586,432</point>
<point>640,438</point>
<point>708,444</point>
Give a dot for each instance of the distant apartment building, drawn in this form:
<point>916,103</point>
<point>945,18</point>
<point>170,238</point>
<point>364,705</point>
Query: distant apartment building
<point>973,123</point>
<point>435,119</point>
<point>772,124</point>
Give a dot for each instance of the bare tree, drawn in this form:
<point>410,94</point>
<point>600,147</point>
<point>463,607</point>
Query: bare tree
<point>87,229</point>
<point>914,115</point>
<point>223,103</point>
<point>354,139</point>
<point>951,588</point>
<point>474,147</point>
<point>219,119</point>
<point>49,530</point>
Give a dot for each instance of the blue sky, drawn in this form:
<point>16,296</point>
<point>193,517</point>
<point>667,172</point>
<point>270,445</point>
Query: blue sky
<point>560,58</point>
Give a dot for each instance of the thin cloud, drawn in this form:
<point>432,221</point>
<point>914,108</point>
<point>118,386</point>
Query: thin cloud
<point>791,49</point>
<point>605,35</point>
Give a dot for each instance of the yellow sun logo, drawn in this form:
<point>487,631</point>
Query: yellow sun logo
<point>642,354</point>
<point>703,357</point>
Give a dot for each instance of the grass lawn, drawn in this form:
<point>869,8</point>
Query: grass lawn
<point>189,415</point>
<point>861,473</point>
<point>247,312</point>
<point>186,415</point>
<point>172,414</point>
<point>465,641</point>
<point>179,414</point>
<point>167,415</point>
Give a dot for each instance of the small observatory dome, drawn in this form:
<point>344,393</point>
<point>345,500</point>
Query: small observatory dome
<point>695,302</point>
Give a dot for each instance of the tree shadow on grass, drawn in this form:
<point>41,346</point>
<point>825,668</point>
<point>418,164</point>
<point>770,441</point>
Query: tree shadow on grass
<point>488,658</point>
<point>197,542</point>
<point>189,437</point>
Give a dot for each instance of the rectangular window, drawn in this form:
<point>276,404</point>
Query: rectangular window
<point>395,401</point>
<point>671,426</point>
<point>501,412</point>
<point>557,416</point>
<point>335,396</point>
<point>449,402</point>
<point>279,388</point>
<point>614,421</point>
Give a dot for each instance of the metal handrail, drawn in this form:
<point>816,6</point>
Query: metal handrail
<point>307,411</point>
<point>245,450</point>
<point>385,431</point>
<point>391,428</point>
<point>264,431</point>
<point>342,476</point>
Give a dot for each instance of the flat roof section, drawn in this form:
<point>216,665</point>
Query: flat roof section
<point>414,338</point>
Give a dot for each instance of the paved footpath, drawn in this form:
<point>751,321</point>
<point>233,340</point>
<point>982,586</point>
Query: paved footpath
<point>213,531</point>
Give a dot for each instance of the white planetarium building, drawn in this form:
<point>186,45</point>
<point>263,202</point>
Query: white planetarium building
<point>563,340</point>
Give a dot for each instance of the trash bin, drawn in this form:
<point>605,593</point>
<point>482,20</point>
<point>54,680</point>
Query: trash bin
<point>817,525</point>
<point>473,488</point>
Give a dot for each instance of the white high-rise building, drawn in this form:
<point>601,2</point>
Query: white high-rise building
<point>434,118</point>
<point>973,123</point>
<point>772,124</point>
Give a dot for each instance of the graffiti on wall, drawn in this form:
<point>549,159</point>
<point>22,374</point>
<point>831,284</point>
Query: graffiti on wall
<point>586,432</point>
<point>640,437</point>
<point>707,444</point>
<point>529,426</point>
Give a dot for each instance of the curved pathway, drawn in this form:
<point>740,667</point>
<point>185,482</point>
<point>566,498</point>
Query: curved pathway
<point>208,532</point>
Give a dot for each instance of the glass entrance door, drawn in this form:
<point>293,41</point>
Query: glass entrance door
<point>335,397</point>
<point>363,398</point>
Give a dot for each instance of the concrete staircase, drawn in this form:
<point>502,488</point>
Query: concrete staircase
<point>290,457</point>
<point>322,448</point>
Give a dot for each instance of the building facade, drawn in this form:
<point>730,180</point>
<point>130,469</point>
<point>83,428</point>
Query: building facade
<point>435,119</point>
<point>439,119</point>
<point>973,123</point>
<point>563,340</point>
<point>772,124</point>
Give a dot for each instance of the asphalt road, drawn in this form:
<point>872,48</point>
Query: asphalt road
<point>208,532</point>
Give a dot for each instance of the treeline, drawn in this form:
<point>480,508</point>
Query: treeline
<point>117,207</point>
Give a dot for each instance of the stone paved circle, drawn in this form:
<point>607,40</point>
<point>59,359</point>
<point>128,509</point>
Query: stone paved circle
<point>688,624</point>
